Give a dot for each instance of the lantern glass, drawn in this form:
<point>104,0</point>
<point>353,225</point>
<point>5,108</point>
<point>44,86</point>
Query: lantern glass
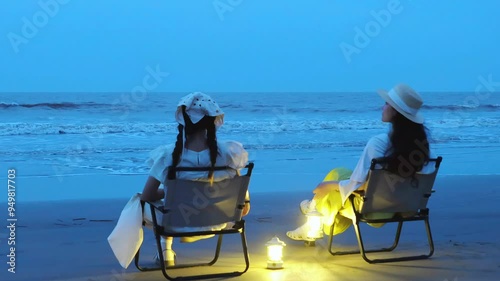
<point>315,225</point>
<point>275,253</point>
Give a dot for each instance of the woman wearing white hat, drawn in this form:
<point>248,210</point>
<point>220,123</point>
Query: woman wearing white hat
<point>198,116</point>
<point>406,146</point>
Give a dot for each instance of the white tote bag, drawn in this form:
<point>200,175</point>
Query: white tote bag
<point>127,235</point>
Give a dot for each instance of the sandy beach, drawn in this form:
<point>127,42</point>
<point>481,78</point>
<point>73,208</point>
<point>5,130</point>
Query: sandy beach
<point>90,89</point>
<point>66,239</point>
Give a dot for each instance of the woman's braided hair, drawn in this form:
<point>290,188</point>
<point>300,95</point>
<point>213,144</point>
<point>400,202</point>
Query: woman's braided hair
<point>206,123</point>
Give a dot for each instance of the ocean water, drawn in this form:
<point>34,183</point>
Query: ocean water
<point>63,134</point>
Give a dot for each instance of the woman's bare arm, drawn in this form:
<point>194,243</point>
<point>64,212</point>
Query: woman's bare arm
<point>151,191</point>
<point>246,209</point>
<point>324,188</point>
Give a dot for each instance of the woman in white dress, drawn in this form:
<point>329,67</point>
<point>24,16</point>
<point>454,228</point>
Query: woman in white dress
<point>198,116</point>
<point>406,147</point>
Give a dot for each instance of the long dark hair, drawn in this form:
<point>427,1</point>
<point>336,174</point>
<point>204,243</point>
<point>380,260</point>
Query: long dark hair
<point>409,150</point>
<point>206,123</point>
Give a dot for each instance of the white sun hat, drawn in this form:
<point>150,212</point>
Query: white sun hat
<point>404,100</point>
<point>199,105</point>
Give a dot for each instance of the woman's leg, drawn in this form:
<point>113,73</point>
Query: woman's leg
<point>329,206</point>
<point>166,242</point>
<point>338,174</point>
<point>167,252</point>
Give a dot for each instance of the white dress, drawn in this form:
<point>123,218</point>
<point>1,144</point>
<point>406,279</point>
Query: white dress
<point>230,153</point>
<point>376,147</point>
<point>127,236</point>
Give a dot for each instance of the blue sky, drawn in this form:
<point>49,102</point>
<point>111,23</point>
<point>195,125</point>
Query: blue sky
<point>247,45</point>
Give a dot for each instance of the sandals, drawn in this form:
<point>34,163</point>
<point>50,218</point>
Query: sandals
<point>305,207</point>
<point>299,234</point>
<point>169,257</point>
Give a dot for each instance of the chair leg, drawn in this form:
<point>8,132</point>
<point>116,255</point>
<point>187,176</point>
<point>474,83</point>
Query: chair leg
<point>214,275</point>
<point>137,256</point>
<point>330,244</point>
<point>396,239</point>
<point>360,243</point>
<point>188,265</point>
<point>363,251</point>
<point>406,258</point>
<point>245,250</point>
<point>217,250</point>
<point>429,237</point>
<point>162,260</point>
<point>141,268</point>
<point>358,235</point>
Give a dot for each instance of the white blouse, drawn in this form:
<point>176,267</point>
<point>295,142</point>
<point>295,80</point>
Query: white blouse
<point>375,148</point>
<point>230,153</point>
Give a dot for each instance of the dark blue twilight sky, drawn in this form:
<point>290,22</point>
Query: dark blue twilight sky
<point>248,45</point>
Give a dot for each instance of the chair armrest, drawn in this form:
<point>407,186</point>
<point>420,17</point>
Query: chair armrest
<point>379,160</point>
<point>249,168</point>
<point>359,193</point>
<point>157,205</point>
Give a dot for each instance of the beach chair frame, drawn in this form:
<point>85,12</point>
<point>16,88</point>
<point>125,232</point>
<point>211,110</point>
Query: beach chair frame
<point>386,192</point>
<point>175,188</point>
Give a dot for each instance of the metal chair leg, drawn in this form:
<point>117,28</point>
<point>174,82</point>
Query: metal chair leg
<point>364,252</point>
<point>245,251</point>
<point>429,237</point>
<point>217,250</point>
<point>397,259</point>
<point>215,275</point>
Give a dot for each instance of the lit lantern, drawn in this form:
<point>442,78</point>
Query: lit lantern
<point>275,253</point>
<point>315,225</point>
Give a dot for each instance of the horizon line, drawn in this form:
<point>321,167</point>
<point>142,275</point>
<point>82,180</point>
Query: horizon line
<point>223,92</point>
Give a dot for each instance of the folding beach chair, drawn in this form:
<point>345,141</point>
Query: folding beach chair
<point>197,204</point>
<point>399,199</point>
